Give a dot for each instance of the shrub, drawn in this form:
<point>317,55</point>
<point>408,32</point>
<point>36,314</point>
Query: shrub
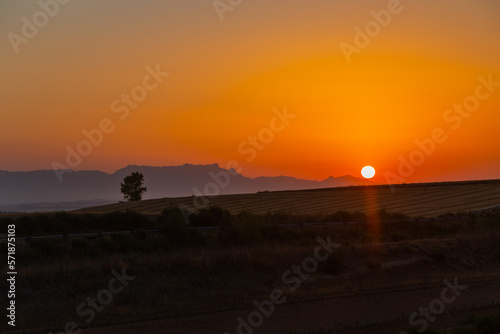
<point>173,227</point>
<point>212,216</point>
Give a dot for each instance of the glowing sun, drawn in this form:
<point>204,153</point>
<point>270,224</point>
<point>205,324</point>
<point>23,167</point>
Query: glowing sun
<point>368,172</point>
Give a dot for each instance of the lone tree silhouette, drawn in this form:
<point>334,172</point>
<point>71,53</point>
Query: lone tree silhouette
<point>132,188</point>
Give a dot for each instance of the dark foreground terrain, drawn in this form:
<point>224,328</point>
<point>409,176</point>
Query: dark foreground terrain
<point>383,274</point>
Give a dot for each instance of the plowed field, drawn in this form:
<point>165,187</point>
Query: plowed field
<point>426,200</point>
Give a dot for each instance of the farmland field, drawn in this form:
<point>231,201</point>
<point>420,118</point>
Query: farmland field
<point>370,278</point>
<point>425,200</point>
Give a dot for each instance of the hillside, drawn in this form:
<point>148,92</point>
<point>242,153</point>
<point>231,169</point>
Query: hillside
<point>36,190</point>
<point>429,199</point>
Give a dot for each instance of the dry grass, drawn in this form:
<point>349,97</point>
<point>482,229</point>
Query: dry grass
<point>231,268</point>
<point>187,281</point>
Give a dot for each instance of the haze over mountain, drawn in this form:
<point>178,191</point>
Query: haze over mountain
<point>42,191</point>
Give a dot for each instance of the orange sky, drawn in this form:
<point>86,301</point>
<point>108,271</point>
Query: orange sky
<point>226,78</point>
